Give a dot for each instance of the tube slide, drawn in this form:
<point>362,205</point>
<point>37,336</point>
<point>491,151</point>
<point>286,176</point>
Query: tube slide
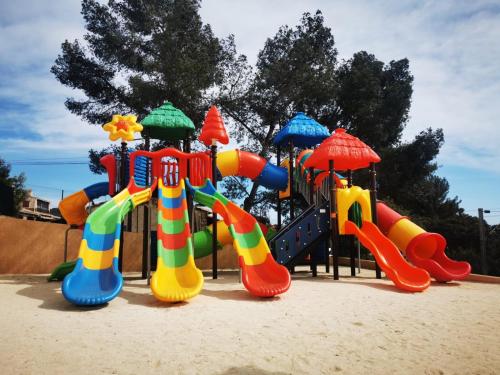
<point>404,275</point>
<point>96,279</point>
<point>72,207</point>
<point>246,164</point>
<point>261,275</point>
<point>425,250</point>
<point>176,277</point>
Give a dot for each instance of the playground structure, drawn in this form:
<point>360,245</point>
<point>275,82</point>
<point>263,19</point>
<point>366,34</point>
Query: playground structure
<point>354,211</point>
<point>334,207</point>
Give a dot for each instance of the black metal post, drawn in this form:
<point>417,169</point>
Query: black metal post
<point>278,206</point>
<point>187,150</point>
<point>146,261</point>
<point>373,201</point>
<point>334,234</point>
<point>313,254</point>
<point>123,155</point>
<point>482,240</point>
<point>214,215</point>
<point>291,163</point>
<point>352,251</point>
<point>311,186</point>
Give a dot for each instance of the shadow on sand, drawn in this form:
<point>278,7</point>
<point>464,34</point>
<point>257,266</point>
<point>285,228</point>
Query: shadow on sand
<point>49,293</point>
<point>51,298</point>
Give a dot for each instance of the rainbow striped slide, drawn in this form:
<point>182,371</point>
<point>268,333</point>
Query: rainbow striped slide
<point>261,275</point>
<point>96,279</point>
<point>176,277</point>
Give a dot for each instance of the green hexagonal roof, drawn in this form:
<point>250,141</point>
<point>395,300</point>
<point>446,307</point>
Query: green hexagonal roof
<point>168,123</point>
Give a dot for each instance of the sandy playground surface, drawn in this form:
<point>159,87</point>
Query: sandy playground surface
<point>361,325</point>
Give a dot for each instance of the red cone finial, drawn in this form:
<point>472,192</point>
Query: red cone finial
<point>213,128</point>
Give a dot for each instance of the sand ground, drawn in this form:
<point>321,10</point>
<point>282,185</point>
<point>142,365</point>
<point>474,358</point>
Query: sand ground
<point>360,325</point>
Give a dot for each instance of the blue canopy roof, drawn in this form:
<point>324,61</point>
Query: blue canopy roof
<point>303,131</point>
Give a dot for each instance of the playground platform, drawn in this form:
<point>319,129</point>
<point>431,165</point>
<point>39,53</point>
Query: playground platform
<point>354,325</point>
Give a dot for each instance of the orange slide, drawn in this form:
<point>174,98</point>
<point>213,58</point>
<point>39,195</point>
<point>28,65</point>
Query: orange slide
<point>404,275</point>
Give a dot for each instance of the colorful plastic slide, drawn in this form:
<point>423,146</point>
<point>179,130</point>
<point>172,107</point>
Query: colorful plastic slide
<point>63,269</point>
<point>425,250</point>
<point>202,240</point>
<point>261,275</point>
<point>176,277</point>
<point>246,164</point>
<point>404,275</point>
<point>72,207</point>
<point>96,279</point>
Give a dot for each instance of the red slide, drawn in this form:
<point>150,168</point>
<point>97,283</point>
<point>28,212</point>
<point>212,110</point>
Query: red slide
<point>404,275</point>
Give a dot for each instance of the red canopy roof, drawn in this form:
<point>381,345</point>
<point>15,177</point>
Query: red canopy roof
<point>347,151</point>
<point>213,128</point>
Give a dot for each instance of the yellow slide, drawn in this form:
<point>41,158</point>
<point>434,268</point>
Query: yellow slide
<point>176,277</point>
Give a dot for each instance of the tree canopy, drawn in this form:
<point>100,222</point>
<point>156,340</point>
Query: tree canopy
<point>137,54</point>
<point>12,190</point>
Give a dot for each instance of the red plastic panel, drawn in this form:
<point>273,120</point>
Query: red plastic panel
<point>173,173</point>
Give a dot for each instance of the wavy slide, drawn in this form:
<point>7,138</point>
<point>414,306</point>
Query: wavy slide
<point>425,250</point>
<point>96,279</point>
<point>404,275</point>
<point>176,277</point>
<point>261,275</point>
<point>202,240</point>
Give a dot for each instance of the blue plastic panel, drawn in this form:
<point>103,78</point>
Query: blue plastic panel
<point>298,237</point>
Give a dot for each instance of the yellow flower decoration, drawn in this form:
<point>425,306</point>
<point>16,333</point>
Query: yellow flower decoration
<point>122,127</point>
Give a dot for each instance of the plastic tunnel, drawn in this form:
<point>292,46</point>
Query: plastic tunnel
<point>246,164</point>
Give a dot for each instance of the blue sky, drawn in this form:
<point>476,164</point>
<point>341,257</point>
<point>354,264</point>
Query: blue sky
<point>453,48</point>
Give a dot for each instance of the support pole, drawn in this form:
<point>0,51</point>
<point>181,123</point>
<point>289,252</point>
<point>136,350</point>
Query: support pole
<point>291,163</point>
<point>352,250</point>
<point>146,250</point>
<point>214,215</point>
<point>482,240</point>
<point>311,186</point>
<point>334,234</point>
<point>373,201</point>
<point>313,254</point>
<point>123,155</point>
<point>278,205</point>
<point>187,150</point>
